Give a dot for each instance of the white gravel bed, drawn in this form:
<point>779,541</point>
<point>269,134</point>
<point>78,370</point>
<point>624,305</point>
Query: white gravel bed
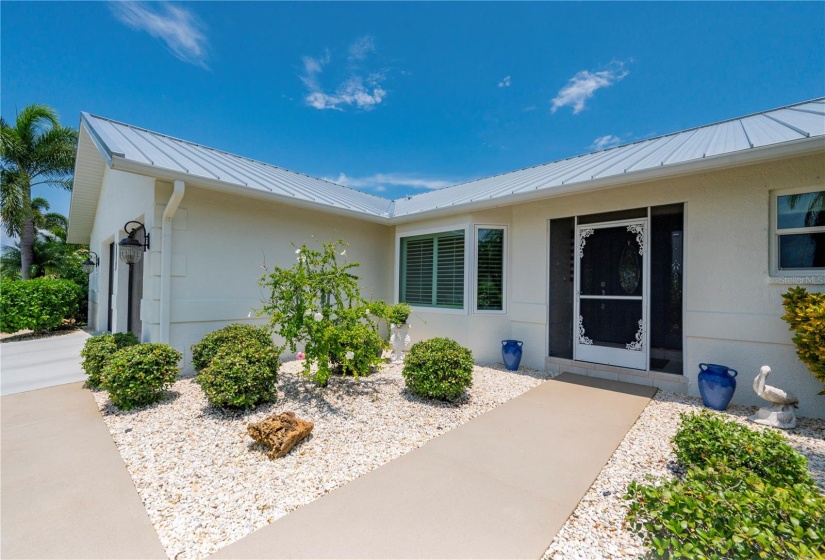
<point>205,484</point>
<point>596,528</point>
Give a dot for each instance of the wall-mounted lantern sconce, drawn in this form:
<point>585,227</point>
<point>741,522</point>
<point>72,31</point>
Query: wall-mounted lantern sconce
<point>130,249</point>
<point>91,262</point>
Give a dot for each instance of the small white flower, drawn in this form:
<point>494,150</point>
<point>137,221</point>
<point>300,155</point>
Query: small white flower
<point>308,312</point>
<point>318,316</point>
<point>248,315</point>
<point>297,251</point>
<point>344,253</point>
<point>392,325</point>
<point>350,355</point>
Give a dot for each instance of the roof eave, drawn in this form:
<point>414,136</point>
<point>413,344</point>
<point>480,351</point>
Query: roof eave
<point>750,156</point>
<point>121,164</point>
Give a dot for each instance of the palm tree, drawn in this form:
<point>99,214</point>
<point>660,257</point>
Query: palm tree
<point>814,216</point>
<point>52,256</point>
<point>36,151</point>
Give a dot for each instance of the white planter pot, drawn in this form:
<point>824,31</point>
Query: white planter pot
<point>399,342</point>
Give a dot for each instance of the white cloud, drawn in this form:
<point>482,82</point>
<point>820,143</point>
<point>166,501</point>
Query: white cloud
<point>584,84</point>
<point>505,82</point>
<point>606,141</point>
<point>358,89</point>
<point>361,47</point>
<point>179,28</point>
<point>380,181</point>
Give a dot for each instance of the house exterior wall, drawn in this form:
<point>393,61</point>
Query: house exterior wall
<point>123,197</point>
<point>220,243</point>
<point>732,305</point>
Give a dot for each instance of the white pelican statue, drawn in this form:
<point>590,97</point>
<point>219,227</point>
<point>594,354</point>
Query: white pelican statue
<point>780,413</point>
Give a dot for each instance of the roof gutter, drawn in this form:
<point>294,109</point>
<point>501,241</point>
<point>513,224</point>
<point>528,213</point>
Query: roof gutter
<point>166,260</point>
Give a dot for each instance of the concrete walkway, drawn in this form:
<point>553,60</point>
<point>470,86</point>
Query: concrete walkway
<point>499,486</point>
<point>65,492</point>
<point>43,362</point>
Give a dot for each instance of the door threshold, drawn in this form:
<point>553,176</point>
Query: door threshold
<point>673,382</point>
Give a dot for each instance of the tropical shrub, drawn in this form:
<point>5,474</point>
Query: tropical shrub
<point>137,375</point>
<point>361,346</point>
<point>707,438</point>
<point>438,368</point>
<point>237,335</point>
<point>97,351</point>
<point>38,304</point>
<point>745,494</point>
<point>724,513</point>
<point>805,313</point>
<point>317,303</point>
<point>241,375</point>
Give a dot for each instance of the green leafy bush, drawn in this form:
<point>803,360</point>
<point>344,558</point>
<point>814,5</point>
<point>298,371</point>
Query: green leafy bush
<point>38,304</point>
<point>241,375</point>
<point>805,313</point>
<point>97,351</point>
<point>358,350</point>
<point>399,313</point>
<point>745,494</point>
<point>438,368</point>
<point>236,335</point>
<point>707,438</point>
<point>137,375</point>
<point>723,513</point>
<point>317,303</point>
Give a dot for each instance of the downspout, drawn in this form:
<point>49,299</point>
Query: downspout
<point>166,259</point>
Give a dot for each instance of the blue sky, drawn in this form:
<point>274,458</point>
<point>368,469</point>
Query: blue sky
<point>397,98</point>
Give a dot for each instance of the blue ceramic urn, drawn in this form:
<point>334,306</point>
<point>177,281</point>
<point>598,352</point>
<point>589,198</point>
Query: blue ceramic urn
<point>716,385</point>
<point>511,353</point>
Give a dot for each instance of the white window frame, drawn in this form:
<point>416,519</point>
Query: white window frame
<point>465,227</point>
<point>504,266</point>
<point>775,233</point>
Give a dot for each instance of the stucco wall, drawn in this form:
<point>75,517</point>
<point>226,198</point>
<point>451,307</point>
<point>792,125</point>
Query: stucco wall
<point>733,307</point>
<point>221,242</point>
<point>123,197</point>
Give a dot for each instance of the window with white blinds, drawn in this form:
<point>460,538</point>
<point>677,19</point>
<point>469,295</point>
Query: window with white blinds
<point>432,270</point>
<point>490,246</point>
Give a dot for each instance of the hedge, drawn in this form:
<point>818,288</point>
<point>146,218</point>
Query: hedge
<point>37,304</point>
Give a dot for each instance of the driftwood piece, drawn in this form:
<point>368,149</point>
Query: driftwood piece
<point>280,432</point>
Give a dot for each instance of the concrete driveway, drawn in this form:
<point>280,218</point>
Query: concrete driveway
<point>44,362</point>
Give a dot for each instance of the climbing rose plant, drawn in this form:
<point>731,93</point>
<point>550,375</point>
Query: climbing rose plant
<point>317,303</point>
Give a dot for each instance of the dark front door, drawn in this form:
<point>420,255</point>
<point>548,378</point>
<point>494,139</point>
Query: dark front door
<point>135,295</point>
<point>611,294</point>
<point>112,257</point>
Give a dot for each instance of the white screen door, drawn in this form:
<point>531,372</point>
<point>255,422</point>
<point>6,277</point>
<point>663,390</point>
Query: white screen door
<point>611,299</point>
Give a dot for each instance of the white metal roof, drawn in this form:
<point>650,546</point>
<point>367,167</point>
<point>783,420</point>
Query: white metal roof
<point>126,143</point>
<point>798,128</point>
<point>802,121</point>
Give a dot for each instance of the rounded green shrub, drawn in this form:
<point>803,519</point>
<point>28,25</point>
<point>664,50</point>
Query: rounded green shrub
<point>37,304</point>
<point>707,438</point>
<point>241,375</point>
<point>137,375</point>
<point>236,334</point>
<point>438,368</point>
<point>97,351</point>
